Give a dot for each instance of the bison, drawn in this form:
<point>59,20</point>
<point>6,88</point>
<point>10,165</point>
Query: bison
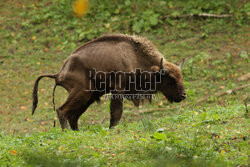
<point>124,66</point>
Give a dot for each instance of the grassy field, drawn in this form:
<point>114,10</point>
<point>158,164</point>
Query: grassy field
<point>37,36</point>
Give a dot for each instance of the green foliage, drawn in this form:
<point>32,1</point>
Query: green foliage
<point>181,143</point>
<point>128,16</point>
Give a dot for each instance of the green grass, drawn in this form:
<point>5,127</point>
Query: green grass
<point>36,38</point>
<point>212,136</point>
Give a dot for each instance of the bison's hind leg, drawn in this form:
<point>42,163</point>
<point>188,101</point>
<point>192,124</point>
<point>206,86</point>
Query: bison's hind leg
<point>73,119</point>
<point>62,119</point>
<point>77,102</point>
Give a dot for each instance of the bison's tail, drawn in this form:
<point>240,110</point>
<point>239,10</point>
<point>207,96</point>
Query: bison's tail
<point>35,89</point>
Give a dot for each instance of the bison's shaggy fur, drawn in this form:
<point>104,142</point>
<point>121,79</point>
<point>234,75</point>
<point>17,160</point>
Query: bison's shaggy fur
<point>144,45</point>
<point>111,53</point>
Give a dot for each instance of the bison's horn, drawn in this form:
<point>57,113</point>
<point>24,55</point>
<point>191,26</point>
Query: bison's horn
<point>162,68</point>
<point>161,64</point>
<point>182,62</point>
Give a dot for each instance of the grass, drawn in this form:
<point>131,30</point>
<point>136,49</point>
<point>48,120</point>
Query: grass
<point>211,133</point>
<point>207,137</point>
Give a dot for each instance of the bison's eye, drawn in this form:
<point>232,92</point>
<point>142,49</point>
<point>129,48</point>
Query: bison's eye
<point>171,80</point>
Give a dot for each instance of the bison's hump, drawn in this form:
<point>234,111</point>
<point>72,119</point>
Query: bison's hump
<point>138,42</point>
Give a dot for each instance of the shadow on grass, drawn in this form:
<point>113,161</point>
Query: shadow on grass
<point>52,160</point>
<point>154,157</point>
<point>176,159</point>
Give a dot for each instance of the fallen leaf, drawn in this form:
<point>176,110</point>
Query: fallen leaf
<point>244,77</point>
<point>29,120</point>
<point>23,108</point>
<point>222,87</point>
<point>160,104</point>
<point>61,148</point>
<point>223,152</point>
<point>13,152</point>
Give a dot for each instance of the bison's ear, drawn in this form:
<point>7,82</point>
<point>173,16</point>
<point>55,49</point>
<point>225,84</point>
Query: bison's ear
<point>155,68</point>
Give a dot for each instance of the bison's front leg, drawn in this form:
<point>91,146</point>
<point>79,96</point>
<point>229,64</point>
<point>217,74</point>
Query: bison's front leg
<point>115,110</point>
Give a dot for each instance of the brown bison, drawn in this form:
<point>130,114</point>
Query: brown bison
<point>125,66</point>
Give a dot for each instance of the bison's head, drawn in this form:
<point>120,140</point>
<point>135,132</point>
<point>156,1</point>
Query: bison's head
<point>171,81</point>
